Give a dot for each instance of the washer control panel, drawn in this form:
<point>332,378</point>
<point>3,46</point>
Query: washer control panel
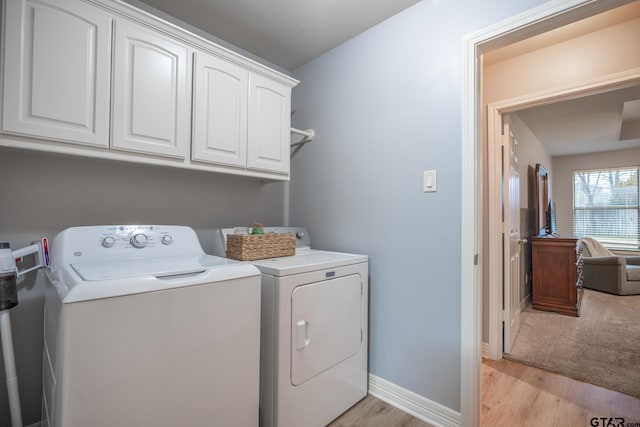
<point>126,241</point>
<point>135,236</point>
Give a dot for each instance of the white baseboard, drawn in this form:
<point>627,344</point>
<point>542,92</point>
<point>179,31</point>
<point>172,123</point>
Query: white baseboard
<point>413,404</point>
<point>485,350</point>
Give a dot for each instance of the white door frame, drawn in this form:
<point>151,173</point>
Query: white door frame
<point>550,15</point>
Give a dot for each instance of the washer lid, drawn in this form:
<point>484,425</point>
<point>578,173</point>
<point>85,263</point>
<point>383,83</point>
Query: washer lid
<point>305,261</point>
<point>93,280</point>
<point>157,267</point>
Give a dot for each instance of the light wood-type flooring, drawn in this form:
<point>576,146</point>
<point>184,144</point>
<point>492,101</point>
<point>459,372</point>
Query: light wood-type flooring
<point>372,412</point>
<point>514,394</point>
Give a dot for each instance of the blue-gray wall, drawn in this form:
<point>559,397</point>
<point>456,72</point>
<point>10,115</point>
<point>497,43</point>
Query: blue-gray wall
<point>386,106</point>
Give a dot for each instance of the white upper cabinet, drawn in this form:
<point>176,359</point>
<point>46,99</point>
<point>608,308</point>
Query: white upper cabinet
<point>101,78</point>
<point>57,71</point>
<point>239,119</point>
<point>269,125</point>
<point>151,96</point>
<point>220,99</point>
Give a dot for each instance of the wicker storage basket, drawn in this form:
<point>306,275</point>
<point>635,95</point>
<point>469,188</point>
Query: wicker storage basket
<point>248,247</point>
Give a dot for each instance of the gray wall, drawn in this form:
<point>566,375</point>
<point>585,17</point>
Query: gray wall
<point>43,193</point>
<point>530,152</point>
<point>386,106</point>
<point>562,179</point>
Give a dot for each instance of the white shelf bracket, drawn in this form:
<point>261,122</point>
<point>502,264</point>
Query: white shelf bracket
<point>307,136</point>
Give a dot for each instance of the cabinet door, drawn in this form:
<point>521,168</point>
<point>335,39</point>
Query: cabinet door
<point>57,71</point>
<point>269,125</point>
<point>220,98</point>
<point>151,101</point>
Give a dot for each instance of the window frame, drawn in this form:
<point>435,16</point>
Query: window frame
<point>633,245</point>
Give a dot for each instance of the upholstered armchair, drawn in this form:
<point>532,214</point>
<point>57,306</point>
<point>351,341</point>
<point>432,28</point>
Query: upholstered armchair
<point>606,272</point>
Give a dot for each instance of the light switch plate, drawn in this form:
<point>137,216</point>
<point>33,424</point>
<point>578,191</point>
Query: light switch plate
<point>429,181</point>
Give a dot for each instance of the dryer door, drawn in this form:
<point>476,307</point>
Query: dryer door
<point>325,325</point>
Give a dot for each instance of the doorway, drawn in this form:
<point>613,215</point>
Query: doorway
<point>551,15</point>
<point>502,324</point>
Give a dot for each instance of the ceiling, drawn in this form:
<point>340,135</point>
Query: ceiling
<point>586,125</point>
<point>288,33</point>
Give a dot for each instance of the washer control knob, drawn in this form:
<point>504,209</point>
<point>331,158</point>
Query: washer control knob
<point>166,239</point>
<point>299,234</point>
<point>108,242</point>
<point>139,240</point>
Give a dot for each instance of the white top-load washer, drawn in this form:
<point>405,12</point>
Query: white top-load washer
<point>314,341</point>
<point>142,328</point>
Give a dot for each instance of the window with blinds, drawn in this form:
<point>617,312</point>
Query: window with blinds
<point>605,206</point>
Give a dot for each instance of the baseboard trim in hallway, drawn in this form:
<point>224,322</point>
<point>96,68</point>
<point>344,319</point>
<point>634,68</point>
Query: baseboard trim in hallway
<point>419,406</point>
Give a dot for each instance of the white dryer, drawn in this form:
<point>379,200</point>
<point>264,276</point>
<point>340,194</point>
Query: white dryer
<point>142,328</point>
<point>314,341</point>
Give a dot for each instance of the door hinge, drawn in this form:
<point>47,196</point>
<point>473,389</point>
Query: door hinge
<point>475,259</point>
<point>503,315</point>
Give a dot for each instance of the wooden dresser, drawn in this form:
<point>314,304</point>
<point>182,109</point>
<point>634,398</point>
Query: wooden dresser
<point>557,275</point>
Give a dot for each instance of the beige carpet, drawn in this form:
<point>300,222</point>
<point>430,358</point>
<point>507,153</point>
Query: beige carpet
<point>601,347</point>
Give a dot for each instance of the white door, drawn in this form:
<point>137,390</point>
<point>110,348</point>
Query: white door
<point>57,71</point>
<point>269,125</point>
<point>513,241</point>
<point>326,325</point>
<point>151,98</point>
<point>220,99</point>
